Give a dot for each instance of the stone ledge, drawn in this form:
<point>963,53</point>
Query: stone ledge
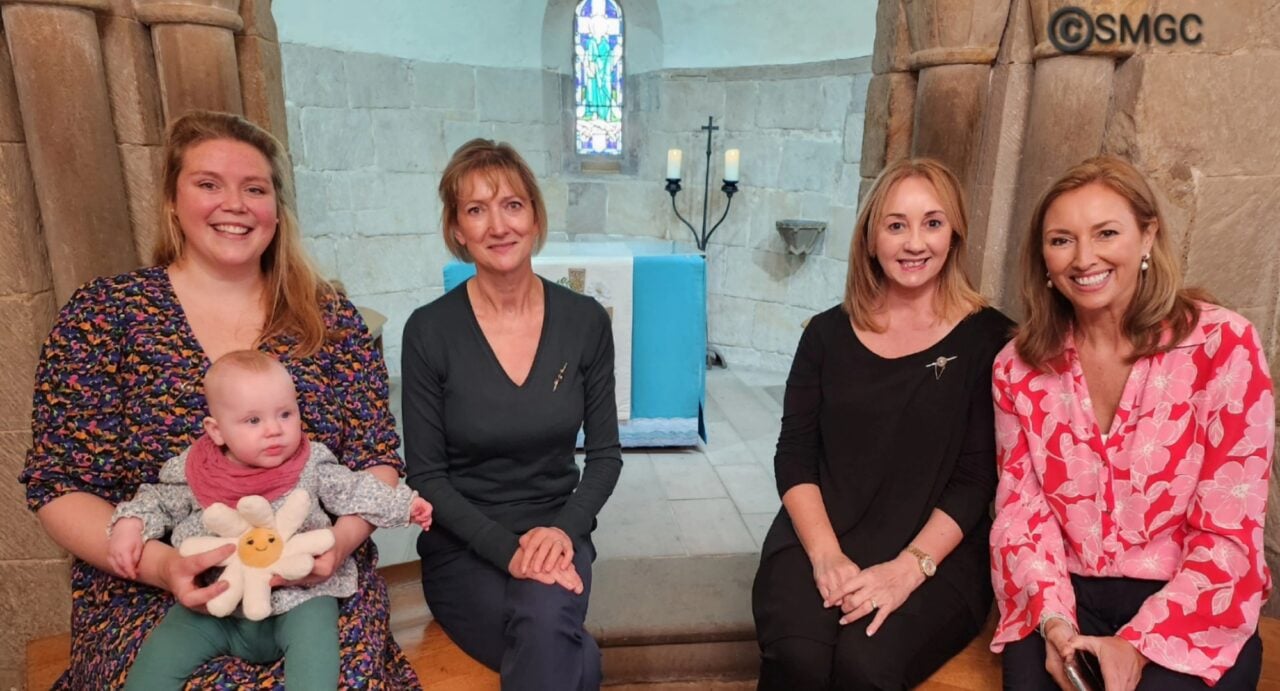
<point>672,599</point>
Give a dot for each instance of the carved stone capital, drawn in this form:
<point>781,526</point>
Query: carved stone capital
<point>955,32</point>
<point>223,14</point>
<point>94,5</point>
<point>1074,19</point>
<point>966,55</point>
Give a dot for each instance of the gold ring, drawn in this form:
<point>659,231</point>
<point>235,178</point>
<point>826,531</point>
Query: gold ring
<point>873,604</point>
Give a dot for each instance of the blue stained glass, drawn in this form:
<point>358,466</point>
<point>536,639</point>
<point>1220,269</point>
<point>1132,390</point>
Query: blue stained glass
<point>598,77</point>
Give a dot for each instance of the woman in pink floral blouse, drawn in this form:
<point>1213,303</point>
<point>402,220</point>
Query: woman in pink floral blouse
<point>1134,423</point>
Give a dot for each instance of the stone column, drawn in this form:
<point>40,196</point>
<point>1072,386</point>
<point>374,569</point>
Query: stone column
<point>891,94</point>
<point>994,191</point>
<point>33,568</point>
<point>953,44</point>
<point>135,104</point>
<point>1071,108</point>
<point>66,115</point>
<point>195,53</point>
<point>261,73</point>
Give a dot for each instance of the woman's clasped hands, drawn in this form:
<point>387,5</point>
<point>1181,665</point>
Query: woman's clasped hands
<point>546,555</point>
<point>1121,664</point>
<point>858,592</point>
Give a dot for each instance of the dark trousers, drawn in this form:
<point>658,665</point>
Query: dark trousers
<point>530,633</point>
<point>1103,606</point>
<point>912,644</point>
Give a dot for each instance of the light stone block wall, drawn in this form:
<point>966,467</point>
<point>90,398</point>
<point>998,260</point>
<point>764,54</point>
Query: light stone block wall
<point>370,135</point>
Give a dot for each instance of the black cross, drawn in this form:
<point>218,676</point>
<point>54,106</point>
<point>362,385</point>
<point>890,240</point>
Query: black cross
<point>730,188</point>
<point>709,127</point>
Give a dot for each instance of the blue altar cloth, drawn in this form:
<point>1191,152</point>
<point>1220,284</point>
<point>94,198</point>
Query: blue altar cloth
<point>668,336</point>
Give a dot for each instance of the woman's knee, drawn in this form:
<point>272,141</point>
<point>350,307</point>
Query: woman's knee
<point>868,665</point>
<point>1243,675</point>
<point>536,609</point>
<point>1023,665</point>
<point>795,663</point>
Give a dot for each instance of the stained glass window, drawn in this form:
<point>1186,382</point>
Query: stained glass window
<point>597,62</point>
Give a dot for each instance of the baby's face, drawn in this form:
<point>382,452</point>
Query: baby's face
<point>255,417</point>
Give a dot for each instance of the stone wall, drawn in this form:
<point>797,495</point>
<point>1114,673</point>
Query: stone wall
<point>371,134</point>
<point>980,85</point>
<point>800,130</point>
<point>86,87</point>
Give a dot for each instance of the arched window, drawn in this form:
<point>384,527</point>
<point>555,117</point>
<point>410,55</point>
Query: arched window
<point>597,66</point>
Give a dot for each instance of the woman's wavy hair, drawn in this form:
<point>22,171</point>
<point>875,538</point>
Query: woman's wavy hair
<point>295,294</point>
<point>494,160</point>
<point>865,281</point>
<point>1160,304</point>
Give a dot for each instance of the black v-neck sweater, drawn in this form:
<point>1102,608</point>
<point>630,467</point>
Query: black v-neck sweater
<point>496,459</point>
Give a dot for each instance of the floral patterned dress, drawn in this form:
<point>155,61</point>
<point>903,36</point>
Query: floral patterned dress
<point>1176,492</point>
<point>118,392</point>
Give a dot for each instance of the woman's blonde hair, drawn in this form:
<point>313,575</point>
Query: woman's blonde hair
<point>1160,301</point>
<point>496,161</point>
<point>295,293</point>
<point>865,282</point>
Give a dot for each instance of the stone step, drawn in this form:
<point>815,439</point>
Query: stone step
<point>675,619</point>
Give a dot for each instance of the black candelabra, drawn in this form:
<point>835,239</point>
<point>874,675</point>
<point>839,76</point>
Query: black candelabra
<point>730,187</point>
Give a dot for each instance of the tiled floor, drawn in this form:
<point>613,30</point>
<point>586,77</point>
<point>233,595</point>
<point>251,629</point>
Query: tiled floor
<point>716,499</point>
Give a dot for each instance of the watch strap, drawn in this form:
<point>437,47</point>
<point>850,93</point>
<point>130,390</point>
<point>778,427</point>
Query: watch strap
<point>921,557</point>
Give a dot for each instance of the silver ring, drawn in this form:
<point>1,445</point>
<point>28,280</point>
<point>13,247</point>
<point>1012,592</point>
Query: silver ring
<point>873,604</point>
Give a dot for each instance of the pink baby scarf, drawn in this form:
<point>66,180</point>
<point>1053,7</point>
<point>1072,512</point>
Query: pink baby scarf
<point>215,478</point>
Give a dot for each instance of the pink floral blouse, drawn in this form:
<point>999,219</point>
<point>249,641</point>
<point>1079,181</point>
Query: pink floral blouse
<point>1176,492</point>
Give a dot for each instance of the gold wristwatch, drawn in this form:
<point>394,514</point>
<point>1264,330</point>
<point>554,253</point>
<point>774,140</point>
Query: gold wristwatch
<point>927,566</point>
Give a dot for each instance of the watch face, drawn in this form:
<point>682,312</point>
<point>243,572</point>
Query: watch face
<point>928,567</point>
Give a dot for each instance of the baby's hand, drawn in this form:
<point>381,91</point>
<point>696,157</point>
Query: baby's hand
<point>124,548</point>
<point>420,513</point>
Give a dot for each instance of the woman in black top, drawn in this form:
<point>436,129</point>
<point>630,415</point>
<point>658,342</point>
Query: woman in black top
<point>499,375</point>
<point>875,572</point>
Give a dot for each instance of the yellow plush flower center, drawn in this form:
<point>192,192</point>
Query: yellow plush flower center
<point>260,547</point>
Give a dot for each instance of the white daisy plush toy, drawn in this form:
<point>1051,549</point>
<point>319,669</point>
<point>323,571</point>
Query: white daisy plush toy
<point>266,546</point>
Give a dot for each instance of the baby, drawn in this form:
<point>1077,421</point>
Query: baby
<point>253,445</point>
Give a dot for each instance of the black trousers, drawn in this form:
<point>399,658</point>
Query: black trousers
<point>530,633</point>
<point>932,626</point>
<point>1103,606</point>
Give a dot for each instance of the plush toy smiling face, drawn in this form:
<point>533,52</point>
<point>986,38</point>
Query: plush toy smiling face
<point>268,544</point>
<point>260,547</point>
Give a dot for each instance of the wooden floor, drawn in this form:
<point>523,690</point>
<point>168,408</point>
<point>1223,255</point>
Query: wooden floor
<point>443,667</point>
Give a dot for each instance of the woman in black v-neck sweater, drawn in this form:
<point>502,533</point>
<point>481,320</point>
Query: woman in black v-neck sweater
<point>875,571</point>
<point>499,375</point>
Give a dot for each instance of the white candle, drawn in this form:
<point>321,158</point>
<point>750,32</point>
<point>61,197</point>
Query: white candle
<point>674,158</point>
<point>731,160</point>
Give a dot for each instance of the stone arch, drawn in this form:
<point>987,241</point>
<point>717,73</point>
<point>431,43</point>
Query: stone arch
<point>643,36</point>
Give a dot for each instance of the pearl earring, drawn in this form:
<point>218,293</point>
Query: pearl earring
<point>1048,283</point>
<point>1146,263</point>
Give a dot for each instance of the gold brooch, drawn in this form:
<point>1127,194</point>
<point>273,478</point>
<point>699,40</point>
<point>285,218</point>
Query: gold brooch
<point>559,375</point>
<point>940,365</point>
